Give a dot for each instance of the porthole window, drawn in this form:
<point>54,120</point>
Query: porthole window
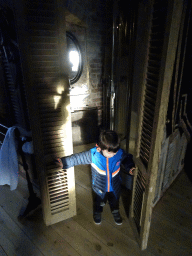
<point>75,58</point>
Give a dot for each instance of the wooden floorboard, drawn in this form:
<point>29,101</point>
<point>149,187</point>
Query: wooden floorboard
<point>82,240</point>
<point>171,228</point>
<point>170,234</point>
<point>45,239</point>
<point>2,252</point>
<point>13,239</point>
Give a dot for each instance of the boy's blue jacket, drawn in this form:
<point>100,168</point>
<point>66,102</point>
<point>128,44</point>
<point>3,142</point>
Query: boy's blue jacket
<point>105,171</point>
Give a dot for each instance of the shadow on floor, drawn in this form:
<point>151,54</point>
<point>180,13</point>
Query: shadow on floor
<point>126,195</point>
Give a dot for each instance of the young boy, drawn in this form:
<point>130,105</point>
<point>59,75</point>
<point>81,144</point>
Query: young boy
<point>105,159</point>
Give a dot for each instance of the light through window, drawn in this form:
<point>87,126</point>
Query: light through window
<point>74,59</point>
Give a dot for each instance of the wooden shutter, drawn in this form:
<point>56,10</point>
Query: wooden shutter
<point>16,108</point>
<point>42,41</point>
<point>164,28</point>
<point>174,146</point>
<point>171,162</point>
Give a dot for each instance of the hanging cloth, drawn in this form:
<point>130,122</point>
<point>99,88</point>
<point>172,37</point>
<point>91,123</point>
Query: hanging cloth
<point>9,164</point>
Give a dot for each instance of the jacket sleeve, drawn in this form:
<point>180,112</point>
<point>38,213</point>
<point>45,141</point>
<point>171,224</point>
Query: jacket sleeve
<point>76,159</point>
<point>127,161</point>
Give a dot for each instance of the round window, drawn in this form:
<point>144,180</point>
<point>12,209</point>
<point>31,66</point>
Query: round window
<point>75,58</point>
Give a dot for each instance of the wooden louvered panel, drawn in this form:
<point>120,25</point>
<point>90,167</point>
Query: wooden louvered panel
<point>164,18</point>
<point>57,184</point>
<point>174,155</point>
<point>54,135</point>
<point>153,69</point>
<point>180,144</point>
<point>161,169</point>
<point>52,147</point>
<point>51,123</point>
<point>177,155</point>
<point>51,120</point>
<point>11,85</point>
<point>51,116</point>
<point>138,198</point>
<point>171,162</point>
<point>184,143</point>
<point>173,144</point>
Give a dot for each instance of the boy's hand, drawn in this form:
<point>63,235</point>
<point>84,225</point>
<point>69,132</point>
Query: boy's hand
<point>58,162</point>
<point>131,171</point>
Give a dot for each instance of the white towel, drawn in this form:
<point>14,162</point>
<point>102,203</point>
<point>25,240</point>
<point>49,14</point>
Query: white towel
<point>28,147</point>
<point>9,165</point>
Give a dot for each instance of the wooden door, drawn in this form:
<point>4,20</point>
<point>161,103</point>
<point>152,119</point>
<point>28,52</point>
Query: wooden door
<point>122,62</point>
<point>42,42</point>
<point>164,20</point>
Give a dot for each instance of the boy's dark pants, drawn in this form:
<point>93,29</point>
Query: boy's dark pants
<point>98,202</point>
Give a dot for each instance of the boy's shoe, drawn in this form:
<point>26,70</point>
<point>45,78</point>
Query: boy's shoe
<point>117,217</point>
<point>97,218</point>
<point>102,204</point>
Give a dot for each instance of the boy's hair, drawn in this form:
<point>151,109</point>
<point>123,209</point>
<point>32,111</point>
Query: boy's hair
<point>109,140</point>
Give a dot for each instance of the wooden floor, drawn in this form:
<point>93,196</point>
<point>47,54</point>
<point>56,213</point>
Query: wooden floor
<point>170,234</point>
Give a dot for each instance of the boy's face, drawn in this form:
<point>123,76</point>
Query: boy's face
<point>107,153</point>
